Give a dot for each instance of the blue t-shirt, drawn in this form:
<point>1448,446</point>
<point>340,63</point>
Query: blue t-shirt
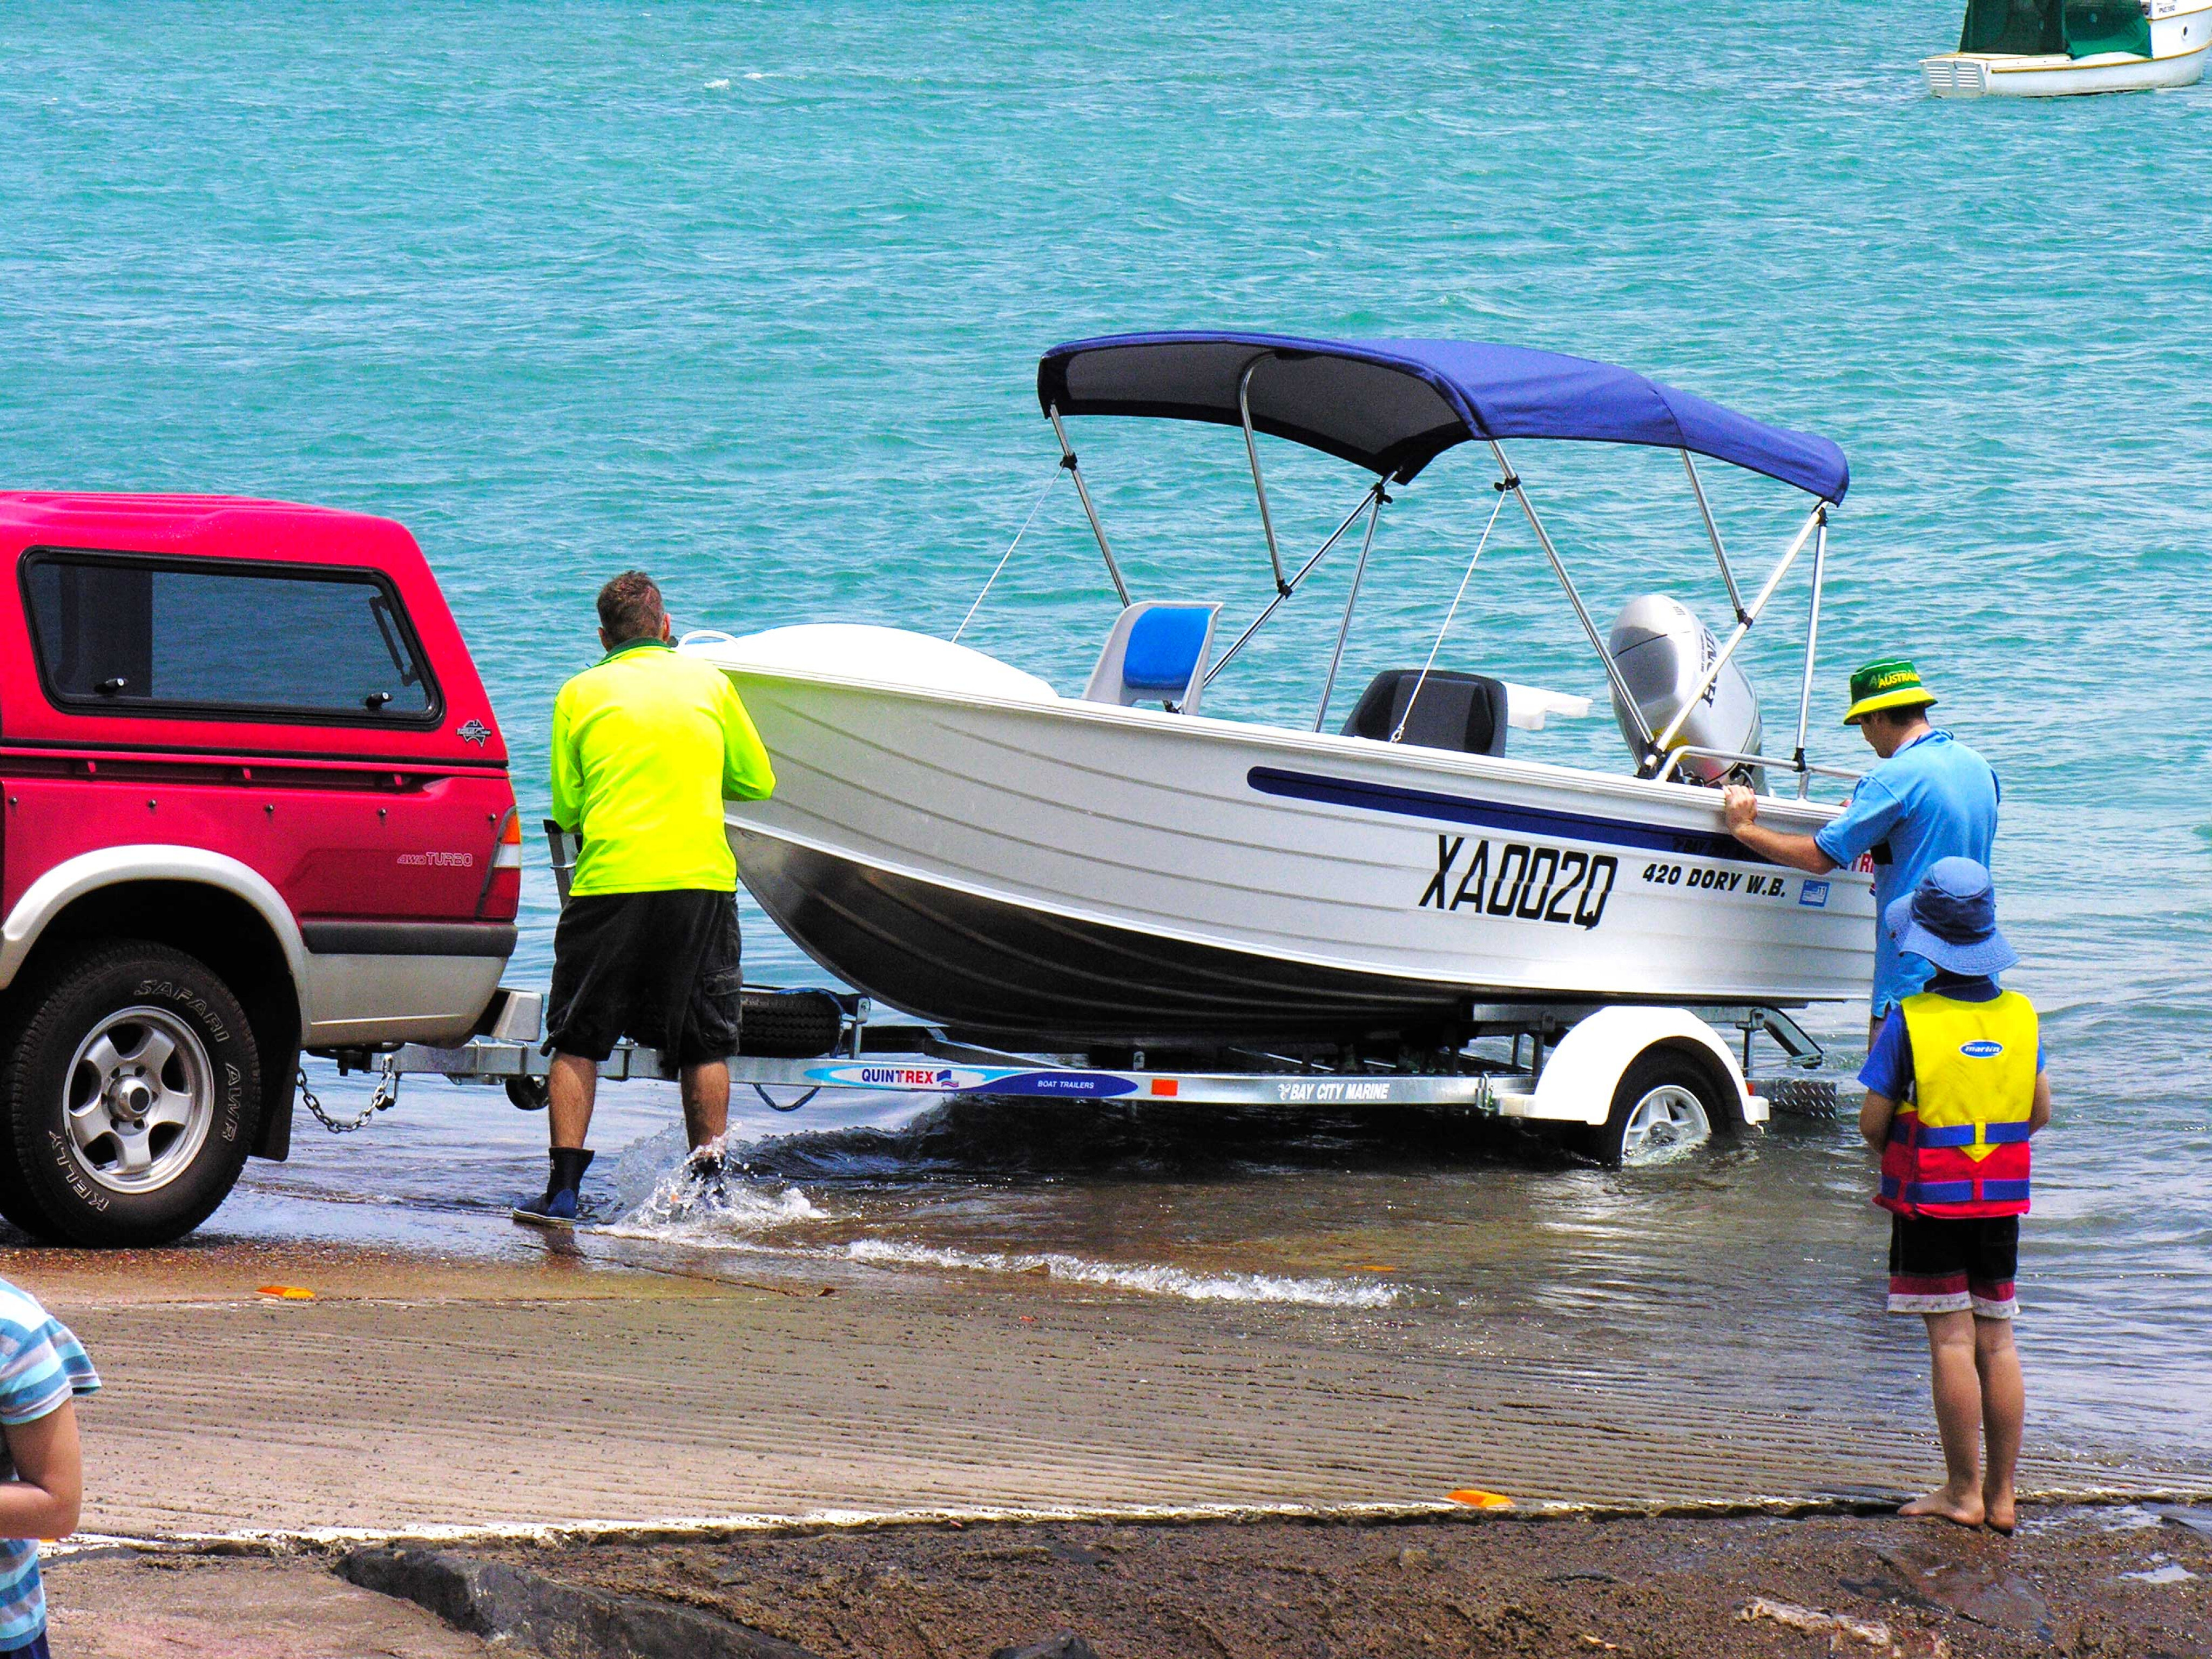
<point>42,1366</point>
<point>1936,799</point>
<point>1888,1069</point>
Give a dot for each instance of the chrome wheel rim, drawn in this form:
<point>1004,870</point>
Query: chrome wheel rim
<point>137,1100</point>
<point>1667,1119</point>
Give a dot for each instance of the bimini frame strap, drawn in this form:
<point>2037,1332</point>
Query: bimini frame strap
<point>1422,679</point>
<point>1373,493</point>
<point>1379,501</point>
<point>1035,507</point>
<point>1814,522</point>
<point>1067,460</point>
<point>1511,480</point>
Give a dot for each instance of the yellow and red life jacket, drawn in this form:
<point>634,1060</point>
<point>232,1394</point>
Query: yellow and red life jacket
<point>1959,1148</point>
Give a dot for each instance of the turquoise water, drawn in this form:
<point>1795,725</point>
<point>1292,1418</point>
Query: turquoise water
<point>752,295</point>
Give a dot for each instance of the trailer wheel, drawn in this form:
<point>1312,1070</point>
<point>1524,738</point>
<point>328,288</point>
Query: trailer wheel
<point>126,1102</point>
<point>1664,1101</point>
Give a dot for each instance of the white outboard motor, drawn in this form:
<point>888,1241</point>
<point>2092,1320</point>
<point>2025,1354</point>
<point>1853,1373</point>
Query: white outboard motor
<point>1663,651</point>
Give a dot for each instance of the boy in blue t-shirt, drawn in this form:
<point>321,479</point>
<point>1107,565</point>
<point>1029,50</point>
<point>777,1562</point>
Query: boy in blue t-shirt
<point>43,1368</point>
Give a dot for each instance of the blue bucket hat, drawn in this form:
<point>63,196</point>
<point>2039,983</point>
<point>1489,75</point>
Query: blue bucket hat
<point>1951,919</point>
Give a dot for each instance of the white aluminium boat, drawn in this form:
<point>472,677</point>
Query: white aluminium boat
<point>2053,48</point>
<point>953,836</point>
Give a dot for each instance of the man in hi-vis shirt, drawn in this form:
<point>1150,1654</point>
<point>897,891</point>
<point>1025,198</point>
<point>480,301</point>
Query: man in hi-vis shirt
<point>647,746</point>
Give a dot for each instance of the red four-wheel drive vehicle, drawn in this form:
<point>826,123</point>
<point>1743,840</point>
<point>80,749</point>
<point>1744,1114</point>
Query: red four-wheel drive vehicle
<point>256,804</point>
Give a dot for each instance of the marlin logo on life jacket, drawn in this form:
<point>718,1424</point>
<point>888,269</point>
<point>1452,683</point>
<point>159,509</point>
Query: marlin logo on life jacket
<point>1959,1148</point>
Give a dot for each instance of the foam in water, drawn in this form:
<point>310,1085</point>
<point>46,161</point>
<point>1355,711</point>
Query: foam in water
<point>734,1212</point>
<point>1153,1281</point>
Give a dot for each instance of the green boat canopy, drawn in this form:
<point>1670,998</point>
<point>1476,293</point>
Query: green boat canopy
<point>2072,28</point>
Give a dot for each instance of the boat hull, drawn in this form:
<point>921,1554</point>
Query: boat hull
<point>990,969</point>
<point>1062,868</point>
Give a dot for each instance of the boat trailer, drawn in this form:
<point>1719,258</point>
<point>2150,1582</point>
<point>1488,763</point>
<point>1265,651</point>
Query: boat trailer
<point>1547,1062</point>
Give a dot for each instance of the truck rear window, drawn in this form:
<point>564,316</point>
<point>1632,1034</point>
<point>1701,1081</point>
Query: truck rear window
<point>120,632</point>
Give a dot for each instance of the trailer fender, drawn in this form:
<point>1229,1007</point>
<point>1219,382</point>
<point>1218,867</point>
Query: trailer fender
<point>1579,1077</point>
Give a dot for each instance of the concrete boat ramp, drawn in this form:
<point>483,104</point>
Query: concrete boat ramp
<point>610,1384</point>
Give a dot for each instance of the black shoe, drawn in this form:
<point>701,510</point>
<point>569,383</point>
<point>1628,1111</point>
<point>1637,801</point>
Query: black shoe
<point>558,1208</point>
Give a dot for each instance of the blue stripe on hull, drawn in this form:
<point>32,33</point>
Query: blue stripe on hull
<point>1496,815</point>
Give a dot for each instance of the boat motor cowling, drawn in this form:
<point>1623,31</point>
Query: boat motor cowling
<point>1663,652</point>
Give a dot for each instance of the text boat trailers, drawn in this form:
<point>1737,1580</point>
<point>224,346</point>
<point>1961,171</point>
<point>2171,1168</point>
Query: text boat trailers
<point>2052,48</point>
<point>1113,896</point>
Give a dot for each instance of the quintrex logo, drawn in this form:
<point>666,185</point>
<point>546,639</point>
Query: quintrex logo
<point>908,1077</point>
<point>1526,882</point>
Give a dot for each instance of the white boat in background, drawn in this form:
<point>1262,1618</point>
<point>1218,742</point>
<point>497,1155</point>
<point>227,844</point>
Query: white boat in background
<point>953,836</point>
<point>2056,48</point>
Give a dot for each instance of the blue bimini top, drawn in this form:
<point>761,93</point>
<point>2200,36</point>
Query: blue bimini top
<point>1393,406</point>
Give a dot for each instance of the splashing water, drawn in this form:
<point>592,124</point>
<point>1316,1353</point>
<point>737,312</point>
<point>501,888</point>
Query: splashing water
<point>681,1204</point>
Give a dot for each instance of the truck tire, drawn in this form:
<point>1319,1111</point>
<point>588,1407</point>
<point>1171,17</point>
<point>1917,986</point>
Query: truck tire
<point>1664,1099</point>
<point>128,1099</point>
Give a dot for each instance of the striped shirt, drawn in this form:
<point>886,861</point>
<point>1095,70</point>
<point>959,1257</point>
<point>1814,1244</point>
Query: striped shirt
<point>42,1366</point>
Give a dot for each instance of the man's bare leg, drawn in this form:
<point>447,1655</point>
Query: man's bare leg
<point>1956,1383</point>
<point>705,1102</point>
<point>572,1086</point>
<point>2004,1413</point>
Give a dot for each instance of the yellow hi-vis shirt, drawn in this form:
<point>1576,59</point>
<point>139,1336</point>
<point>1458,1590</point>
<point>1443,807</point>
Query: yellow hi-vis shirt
<point>647,746</point>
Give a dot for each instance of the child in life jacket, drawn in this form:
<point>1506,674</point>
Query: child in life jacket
<point>1954,1089</point>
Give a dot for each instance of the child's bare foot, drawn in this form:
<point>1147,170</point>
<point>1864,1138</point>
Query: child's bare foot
<point>1964,1508</point>
<point>2000,1512</point>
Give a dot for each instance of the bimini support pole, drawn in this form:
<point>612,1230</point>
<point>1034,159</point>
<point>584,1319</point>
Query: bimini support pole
<point>1291,585</point>
<point>1818,516</point>
<point>1067,460</point>
<point>1511,480</point>
<point>1259,484</point>
<point>1377,500</point>
<point>1812,649</point>
<point>1713,533</point>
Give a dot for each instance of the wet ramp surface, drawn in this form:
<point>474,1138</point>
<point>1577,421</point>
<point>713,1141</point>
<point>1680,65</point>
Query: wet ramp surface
<point>437,1401</point>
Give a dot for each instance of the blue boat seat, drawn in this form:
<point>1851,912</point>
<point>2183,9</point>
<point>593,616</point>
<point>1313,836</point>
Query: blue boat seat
<point>1461,712</point>
<point>1157,653</point>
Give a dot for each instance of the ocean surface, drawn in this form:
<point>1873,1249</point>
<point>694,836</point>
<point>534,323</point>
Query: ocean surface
<point>752,295</point>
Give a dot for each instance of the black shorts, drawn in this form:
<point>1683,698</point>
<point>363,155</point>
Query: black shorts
<point>1941,1265</point>
<point>662,969</point>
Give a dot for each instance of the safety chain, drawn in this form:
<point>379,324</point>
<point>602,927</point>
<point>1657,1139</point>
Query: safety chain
<point>386,1097</point>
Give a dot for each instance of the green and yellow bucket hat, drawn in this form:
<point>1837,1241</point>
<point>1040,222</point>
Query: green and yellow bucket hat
<point>1891,683</point>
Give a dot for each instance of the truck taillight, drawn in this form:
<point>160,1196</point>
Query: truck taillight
<point>502,893</point>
